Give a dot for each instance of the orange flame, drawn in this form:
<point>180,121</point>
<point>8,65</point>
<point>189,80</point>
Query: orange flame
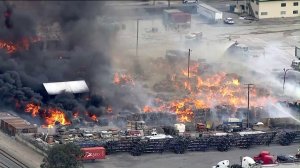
<point>109,109</point>
<point>56,115</point>
<point>122,79</point>
<point>32,108</point>
<point>76,114</point>
<point>207,92</point>
<point>8,46</point>
<point>23,44</point>
<point>147,109</point>
<point>94,117</point>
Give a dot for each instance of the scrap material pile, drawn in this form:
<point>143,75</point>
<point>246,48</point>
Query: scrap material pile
<point>185,91</point>
<point>179,145</point>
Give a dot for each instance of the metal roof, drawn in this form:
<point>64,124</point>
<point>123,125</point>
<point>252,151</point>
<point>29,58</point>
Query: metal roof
<point>70,86</point>
<point>18,123</point>
<point>203,5</point>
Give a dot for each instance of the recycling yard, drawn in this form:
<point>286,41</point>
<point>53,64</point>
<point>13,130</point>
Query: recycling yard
<point>149,84</point>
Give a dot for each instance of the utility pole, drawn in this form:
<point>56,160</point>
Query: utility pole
<point>285,71</point>
<point>248,104</point>
<point>137,37</point>
<point>189,59</point>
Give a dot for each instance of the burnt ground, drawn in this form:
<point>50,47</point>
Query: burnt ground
<point>187,160</point>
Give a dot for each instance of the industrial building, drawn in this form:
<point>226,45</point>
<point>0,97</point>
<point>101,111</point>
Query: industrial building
<point>13,125</point>
<point>263,9</point>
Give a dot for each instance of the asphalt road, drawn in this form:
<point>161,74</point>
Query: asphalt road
<point>187,160</point>
<point>7,161</point>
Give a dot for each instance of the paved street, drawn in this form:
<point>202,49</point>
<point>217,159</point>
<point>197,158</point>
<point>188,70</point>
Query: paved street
<point>23,153</point>
<point>188,160</point>
<point>8,161</point>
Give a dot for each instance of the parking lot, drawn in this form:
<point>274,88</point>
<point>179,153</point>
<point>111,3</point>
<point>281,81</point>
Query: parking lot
<point>190,159</point>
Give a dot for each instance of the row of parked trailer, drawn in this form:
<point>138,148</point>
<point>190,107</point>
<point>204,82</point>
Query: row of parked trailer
<point>179,144</point>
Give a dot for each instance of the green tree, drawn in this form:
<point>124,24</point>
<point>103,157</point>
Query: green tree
<point>62,156</point>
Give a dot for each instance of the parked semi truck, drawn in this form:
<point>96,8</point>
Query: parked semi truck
<point>263,159</point>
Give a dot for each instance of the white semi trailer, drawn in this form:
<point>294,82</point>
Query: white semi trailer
<point>209,12</point>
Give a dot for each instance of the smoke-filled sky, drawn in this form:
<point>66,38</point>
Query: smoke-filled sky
<point>85,48</point>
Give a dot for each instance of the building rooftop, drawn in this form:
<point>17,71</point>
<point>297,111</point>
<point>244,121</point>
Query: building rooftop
<point>18,123</point>
<point>69,86</point>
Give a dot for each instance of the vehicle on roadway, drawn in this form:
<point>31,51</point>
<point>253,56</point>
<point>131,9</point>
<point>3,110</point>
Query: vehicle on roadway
<point>229,21</point>
<point>264,159</point>
<point>193,36</point>
<point>189,1</point>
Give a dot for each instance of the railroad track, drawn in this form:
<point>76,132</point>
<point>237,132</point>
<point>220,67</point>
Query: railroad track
<point>16,162</point>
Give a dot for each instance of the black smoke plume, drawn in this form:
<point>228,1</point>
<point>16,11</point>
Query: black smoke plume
<point>81,51</point>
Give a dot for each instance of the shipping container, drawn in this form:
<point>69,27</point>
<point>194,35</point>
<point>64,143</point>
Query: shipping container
<point>93,153</point>
<point>180,18</point>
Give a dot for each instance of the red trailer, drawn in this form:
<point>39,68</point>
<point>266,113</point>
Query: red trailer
<point>93,153</point>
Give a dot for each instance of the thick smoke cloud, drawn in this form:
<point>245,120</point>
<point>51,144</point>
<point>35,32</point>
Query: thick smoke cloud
<point>83,52</point>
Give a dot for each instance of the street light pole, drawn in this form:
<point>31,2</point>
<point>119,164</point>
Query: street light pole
<point>189,60</point>
<point>285,71</point>
<point>248,104</point>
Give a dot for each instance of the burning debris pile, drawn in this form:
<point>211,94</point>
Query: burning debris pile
<point>204,89</point>
<point>23,69</point>
<point>12,47</point>
<point>122,78</point>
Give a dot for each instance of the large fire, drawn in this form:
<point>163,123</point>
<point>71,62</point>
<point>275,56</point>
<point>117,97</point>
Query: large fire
<point>207,91</point>
<point>24,44</point>
<point>32,108</point>
<point>53,115</point>
<point>56,115</point>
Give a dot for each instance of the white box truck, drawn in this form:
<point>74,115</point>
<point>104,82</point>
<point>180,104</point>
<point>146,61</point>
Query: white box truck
<point>209,12</point>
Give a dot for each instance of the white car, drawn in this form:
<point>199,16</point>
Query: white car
<point>194,36</point>
<point>189,1</point>
<point>229,21</point>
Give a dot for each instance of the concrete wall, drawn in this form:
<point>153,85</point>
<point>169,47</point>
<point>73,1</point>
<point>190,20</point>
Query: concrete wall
<point>22,140</point>
<point>273,9</point>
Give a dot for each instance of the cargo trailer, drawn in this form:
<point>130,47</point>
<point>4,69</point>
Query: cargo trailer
<point>209,12</point>
<point>93,153</point>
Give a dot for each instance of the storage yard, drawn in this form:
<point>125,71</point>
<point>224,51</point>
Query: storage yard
<point>158,84</point>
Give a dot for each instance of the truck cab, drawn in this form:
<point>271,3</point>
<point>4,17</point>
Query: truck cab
<point>296,65</point>
<point>265,158</point>
<point>247,162</point>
